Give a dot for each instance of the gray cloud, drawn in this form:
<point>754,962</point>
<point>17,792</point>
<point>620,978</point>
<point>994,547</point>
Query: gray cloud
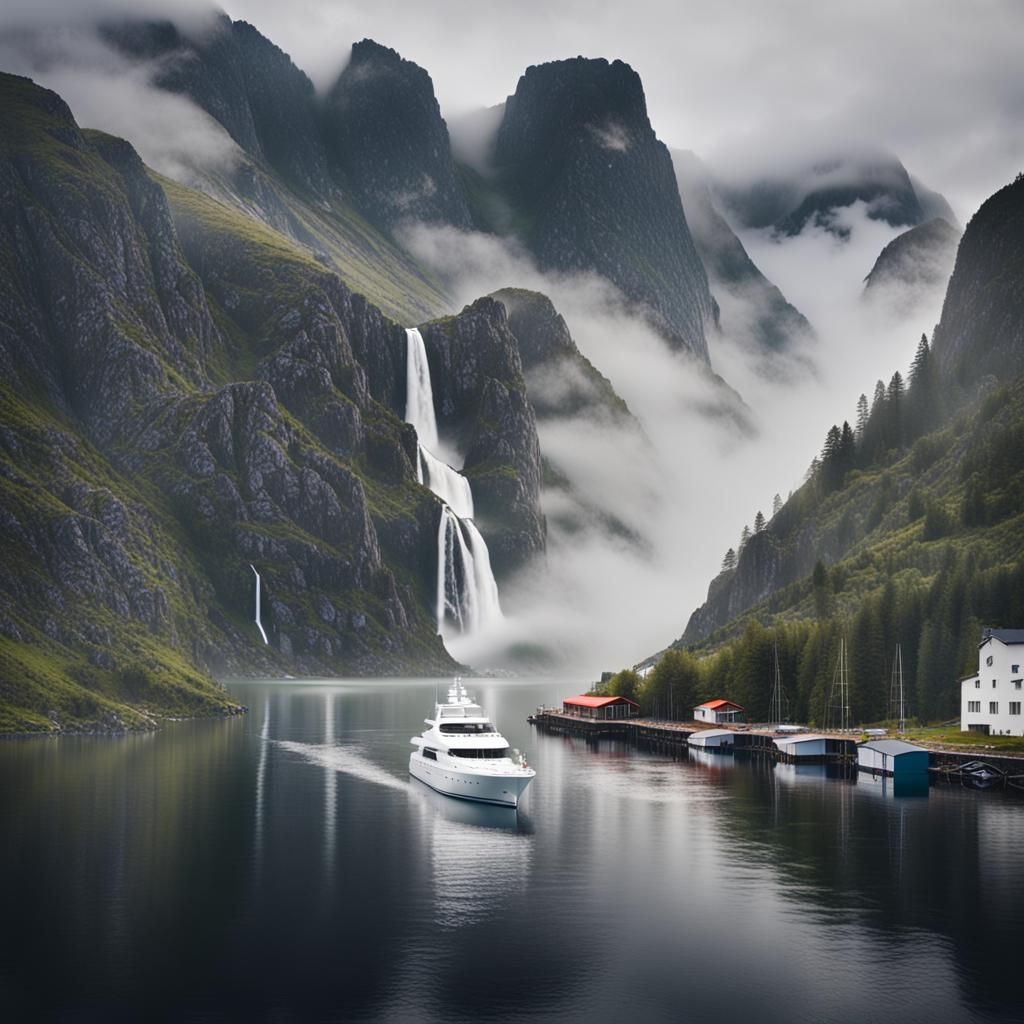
<point>936,81</point>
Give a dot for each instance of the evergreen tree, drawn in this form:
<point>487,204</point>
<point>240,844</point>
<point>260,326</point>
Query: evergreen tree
<point>776,505</point>
<point>729,562</point>
<point>744,537</point>
<point>759,521</point>
<point>862,416</point>
<point>893,420</point>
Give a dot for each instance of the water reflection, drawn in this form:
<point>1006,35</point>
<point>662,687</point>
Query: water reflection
<point>626,880</point>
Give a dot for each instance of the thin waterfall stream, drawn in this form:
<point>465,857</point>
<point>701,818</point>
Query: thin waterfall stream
<point>467,593</point>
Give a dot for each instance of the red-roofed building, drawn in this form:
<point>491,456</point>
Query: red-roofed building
<point>719,711</point>
<point>587,706</point>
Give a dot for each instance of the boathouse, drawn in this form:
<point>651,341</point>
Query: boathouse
<point>892,757</point>
<point>720,740</point>
<point>721,712</point>
<point>805,746</point>
<point>990,702</point>
<point>600,708</point>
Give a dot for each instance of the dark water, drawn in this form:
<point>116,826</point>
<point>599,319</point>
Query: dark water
<point>204,874</point>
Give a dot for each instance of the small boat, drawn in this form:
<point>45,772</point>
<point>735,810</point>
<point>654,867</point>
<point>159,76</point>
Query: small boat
<point>980,775</point>
<point>462,754</point>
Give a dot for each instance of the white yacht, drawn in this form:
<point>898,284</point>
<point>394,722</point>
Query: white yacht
<point>462,754</point>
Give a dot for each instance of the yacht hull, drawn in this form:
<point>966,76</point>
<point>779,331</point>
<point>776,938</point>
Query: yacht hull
<point>501,790</point>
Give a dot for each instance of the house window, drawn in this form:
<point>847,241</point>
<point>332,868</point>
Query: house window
<point>988,660</point>
<point>974,707</point>
<point>1016,683</point>
<point>993,684</point>
<point>1014,707</point>
<point>993,707</point>
<point>1015,668</point>
<point>977,684</point>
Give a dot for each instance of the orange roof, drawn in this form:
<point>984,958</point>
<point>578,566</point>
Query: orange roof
<point>713,705</point>
<point>587,701</point>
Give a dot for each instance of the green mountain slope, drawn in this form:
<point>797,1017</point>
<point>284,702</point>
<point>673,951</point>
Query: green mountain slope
<point>186,392</point>
<point>909,529</point>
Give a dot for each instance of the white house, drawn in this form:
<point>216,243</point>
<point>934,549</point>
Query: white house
<point>990,702</point>
<point>721,712</point>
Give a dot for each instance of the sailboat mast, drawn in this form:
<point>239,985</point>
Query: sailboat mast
<point>899,671</point>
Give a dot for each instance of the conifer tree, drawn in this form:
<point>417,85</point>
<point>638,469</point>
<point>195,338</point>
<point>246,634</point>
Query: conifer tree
<point>759,521</point>
<point>729,561</point>
<point>776,505</point>
<point>862,416</point>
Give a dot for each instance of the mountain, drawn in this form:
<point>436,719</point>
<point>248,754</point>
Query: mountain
<point>751,303</point>
<point>592,190</point>
<point>911,528</point>
<point>318,172</point>
<point>185,392</point>
<point>810,191</point>
<point>913,264</point>
<point>390,144</point>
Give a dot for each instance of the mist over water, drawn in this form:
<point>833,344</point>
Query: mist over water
<point>690,485</point>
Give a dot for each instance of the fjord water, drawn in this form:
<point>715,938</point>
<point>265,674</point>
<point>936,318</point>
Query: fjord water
<point>281,866</point>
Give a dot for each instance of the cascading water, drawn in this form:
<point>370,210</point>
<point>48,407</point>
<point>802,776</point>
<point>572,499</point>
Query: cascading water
<point>467,593</point>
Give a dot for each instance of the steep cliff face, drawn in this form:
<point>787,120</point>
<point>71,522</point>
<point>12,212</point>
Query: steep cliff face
<point>483,410</point>
<point>751,303</point>
<point>171,414</point>
<point>982,327</point>
<point>913,264</point>
<point>283,173</point>
<point>593,190</point>
<point>243,81</point>
<point>389,142</point>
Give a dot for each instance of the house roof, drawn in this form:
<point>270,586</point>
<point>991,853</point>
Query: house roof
<point>586,700</point>
<point>714,705</point>
<point>1006,636</point>
<point>893,747</point>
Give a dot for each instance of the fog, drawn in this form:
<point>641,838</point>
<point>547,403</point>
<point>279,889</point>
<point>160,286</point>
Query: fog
<point>108,92</point>
<point>744,85</point>
<point>603,602</point>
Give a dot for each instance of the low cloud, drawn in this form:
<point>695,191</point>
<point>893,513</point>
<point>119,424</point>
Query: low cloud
<point>109,92</point>
<point>602,601</point>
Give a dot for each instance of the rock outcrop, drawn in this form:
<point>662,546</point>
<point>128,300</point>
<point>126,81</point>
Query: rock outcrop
<point>389,143</point>
<point>483,411</point>
<point>593,191</point>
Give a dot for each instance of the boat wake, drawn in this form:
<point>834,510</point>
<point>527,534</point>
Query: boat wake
<point>346,759</point>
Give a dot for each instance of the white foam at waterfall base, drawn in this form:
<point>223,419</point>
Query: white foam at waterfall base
<point>447,483</point>
<point>467,594</point>
<point>419,395</point>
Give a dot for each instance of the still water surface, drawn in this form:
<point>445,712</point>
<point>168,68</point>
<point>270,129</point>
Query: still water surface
<point>282,867</point>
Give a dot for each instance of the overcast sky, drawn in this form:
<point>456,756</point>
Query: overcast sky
<point>937,82</point>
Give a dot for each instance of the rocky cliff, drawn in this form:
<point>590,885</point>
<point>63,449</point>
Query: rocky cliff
<point>483,412</point>
<point>982,327</point>
<point>186,392</point>
<point>593,190</point>
<point>389,143</point>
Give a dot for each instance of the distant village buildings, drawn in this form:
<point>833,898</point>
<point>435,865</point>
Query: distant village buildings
<point>990,702</point>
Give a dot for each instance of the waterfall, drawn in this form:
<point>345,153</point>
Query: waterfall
<point>419,395</point>
<point>447,483</point>
<point>467,593</point>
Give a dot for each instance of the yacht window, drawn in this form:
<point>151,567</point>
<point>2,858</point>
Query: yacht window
<point>430,755</point>
<point>467,727</point>
<point>491,754</point>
